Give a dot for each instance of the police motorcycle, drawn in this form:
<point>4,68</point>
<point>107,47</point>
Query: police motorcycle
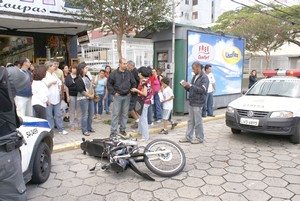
<point>161,156</point>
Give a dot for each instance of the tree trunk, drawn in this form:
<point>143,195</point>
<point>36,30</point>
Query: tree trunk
<point>119,44</point>
<point>268,60</point>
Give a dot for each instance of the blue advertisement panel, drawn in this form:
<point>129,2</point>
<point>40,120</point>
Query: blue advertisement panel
<point>225,55</point>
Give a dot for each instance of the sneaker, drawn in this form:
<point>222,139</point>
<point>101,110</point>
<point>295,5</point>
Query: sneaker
<point>196,141</point>
<point>184,140</point>
<point>211,115</point>
<point>158,121</point>
<point>150,124</point>
<point>86,133</point>
<point>135,125</point>
<point>64,132</point>
<point>108,112</point>
<point>95,117</point>
<point>174,125</point>
<point>123,133</point>
<point>92,131</point>
<point>163,131</point>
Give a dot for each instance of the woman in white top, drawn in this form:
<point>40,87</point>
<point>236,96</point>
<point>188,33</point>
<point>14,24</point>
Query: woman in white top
<point>40,92</point>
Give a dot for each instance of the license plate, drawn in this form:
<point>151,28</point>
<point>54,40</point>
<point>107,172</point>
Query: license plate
<point>251,122</point>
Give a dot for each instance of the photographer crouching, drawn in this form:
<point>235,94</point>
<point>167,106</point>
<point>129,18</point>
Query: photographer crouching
<point>12,185</point>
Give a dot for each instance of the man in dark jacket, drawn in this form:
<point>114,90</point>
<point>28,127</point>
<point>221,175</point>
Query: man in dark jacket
<point>119,84</point>
<point>197,96</point>
<point>12,186</point>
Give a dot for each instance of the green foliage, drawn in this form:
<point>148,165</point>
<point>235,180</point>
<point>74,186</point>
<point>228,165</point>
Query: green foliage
<point>122,16</point>
<point>263,32</point>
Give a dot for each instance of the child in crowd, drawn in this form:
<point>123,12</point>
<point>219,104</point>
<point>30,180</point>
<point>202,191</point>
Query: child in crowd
<point>167,101</point>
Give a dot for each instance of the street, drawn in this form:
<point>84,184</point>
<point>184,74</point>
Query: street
<point>225,167</point>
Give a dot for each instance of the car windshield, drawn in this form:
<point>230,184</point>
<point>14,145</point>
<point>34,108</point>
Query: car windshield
<point>281,88</point>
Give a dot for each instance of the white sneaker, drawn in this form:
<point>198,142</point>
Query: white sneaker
<point>158,121</point>
<point>64,132</point>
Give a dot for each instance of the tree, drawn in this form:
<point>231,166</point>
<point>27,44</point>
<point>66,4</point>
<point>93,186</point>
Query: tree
<point>261,31</point>
<point>122,16</point>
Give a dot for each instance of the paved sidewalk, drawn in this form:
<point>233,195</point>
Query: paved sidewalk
<point>74,138</point>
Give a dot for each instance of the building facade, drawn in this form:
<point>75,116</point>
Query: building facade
<point>197,12</point>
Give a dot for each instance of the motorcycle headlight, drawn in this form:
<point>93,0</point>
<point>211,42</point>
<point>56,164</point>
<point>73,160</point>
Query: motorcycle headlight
<point>282,114</point>
<point>230,110</point>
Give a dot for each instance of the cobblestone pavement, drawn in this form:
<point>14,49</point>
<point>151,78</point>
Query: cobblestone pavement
<point>225,167</point>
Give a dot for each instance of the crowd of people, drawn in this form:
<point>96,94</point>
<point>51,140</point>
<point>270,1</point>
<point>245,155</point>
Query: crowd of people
<point>71,94</point>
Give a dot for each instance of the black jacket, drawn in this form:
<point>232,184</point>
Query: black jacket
<point>120,82</point>
<point>70,83</point>
<point>198,90</point>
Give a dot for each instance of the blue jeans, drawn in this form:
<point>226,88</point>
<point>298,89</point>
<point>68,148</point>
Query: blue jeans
<point>87,108</point>
<point>149,114</point>
<point>57,113</point>
<point>195,124</point>
<point>208,106</point>
<point>99,109</point>
<point>107,102</point>
<point>157,107</point>
<point>143,123</point>
<point>121,105</point>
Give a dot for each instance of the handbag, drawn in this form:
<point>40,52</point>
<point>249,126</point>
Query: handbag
<point>139,104</point>
<point>96,98</point>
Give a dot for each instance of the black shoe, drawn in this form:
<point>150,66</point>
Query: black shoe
<point>113,135</point>
<point>66,119</point>
<point>92,131</point>
<point>174,125</point>
<point>123,133</point>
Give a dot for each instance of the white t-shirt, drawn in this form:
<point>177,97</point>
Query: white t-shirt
<point>212,80</point>
<point>168,93</point>
<point>40,93</point>
<point>54,89</point>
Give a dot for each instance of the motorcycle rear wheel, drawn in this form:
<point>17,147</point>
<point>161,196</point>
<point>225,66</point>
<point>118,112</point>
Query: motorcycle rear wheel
<point>164,164</point>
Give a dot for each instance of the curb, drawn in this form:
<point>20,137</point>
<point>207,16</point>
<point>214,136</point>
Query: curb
<point>76,144</point>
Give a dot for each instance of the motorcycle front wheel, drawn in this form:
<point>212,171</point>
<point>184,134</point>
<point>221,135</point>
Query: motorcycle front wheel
<point>164,157</point>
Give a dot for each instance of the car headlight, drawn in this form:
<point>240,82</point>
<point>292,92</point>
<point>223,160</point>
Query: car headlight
<point>230,110</point>
<point>282,114</point>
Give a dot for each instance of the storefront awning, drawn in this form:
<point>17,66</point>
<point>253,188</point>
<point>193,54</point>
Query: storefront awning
<point>40,25</point>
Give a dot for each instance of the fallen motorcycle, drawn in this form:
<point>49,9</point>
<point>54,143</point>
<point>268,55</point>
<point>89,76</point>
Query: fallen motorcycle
<point>163,157</point>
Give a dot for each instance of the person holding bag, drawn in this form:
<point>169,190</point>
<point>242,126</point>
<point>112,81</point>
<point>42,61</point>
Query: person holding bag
<point>100,91</point>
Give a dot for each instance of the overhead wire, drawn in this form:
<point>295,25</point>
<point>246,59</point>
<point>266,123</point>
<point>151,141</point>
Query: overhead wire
<point>286,5</point>
<point>277,9</point>
<point>280,18</point>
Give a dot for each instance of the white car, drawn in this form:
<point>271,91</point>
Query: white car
<point>270,106</point>
<point>36,153</point>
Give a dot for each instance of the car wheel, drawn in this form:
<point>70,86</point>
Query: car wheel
<point>41,164</point>
<point>295,138</point>
<point>235,131</point>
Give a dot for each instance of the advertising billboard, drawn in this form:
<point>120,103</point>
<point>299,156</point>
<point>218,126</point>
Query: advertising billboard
<point>225,54</point>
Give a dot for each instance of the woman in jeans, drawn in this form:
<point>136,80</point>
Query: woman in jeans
<point>72,97</point>
<point>85,97</point>
<point>100,90</point>
<point>109,98</point>
<point>144,91</point>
